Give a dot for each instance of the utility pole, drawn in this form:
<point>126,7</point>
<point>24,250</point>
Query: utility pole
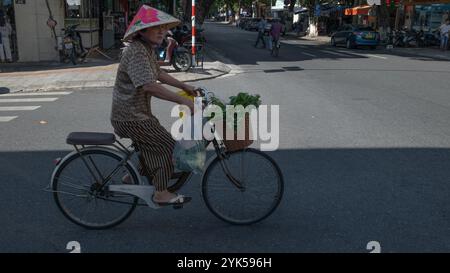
<point>193,33</point>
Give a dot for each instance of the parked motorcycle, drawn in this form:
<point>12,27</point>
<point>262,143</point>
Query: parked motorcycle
<point>432,38</point>
<point>406,38</point>
<point>171,53</point>
<point>71,47</point>
<point>411,39</point>
<point>399,38</point>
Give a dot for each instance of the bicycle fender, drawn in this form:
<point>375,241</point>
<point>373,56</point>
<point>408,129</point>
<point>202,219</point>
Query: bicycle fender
<point>102,148</point>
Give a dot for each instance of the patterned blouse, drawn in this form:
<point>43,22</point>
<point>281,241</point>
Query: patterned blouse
<point>138,67</point>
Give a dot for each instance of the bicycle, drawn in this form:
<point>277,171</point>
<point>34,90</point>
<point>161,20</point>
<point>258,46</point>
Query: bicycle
<point>241,187</point>
<point>275,47</point>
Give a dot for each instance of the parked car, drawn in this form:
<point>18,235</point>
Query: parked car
<point>252,25</point>
<point>243,21</point>
<point>353,36</point>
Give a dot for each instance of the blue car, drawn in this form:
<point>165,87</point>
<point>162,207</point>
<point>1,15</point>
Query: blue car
<point>352,36</point>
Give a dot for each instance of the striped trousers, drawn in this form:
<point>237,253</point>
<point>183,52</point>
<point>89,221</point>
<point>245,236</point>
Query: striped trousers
<point>155,144</point>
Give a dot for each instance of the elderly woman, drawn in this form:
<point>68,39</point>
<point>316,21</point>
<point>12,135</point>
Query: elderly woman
<point>135,85</point>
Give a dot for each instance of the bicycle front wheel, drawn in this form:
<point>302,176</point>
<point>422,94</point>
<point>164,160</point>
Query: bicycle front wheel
<point>262,190</point>
<point>79,197</point>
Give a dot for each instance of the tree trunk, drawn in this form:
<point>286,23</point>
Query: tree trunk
<point>313,26</point>
<point>201,10</point>
<point>313,20</point>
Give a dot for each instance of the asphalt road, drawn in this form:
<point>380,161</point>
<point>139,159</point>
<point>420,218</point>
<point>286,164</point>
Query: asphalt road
<point>364,150</point>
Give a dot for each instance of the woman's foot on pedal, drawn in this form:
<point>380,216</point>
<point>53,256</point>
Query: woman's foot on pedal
<point>126,179</point>
<point>167,198</point>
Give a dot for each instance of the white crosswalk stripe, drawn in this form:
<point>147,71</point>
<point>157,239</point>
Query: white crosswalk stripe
<point>28,100</point>
<point>6,119</point>
<point>370,55</point>
<point>308,54</point>
<point>24,98</point>
<point>18,108</point>
<point>35,94</point>
<point>376,56</point>
<point>335,53</point>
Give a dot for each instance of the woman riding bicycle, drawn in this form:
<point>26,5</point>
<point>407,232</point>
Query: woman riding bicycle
<point>275,31</point>
<point>136,83</point>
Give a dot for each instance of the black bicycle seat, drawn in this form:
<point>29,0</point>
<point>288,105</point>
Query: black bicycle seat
<point>90,138</point>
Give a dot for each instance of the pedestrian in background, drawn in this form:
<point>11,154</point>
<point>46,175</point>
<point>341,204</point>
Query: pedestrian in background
<point>275,33</point>
<point>5,45</point>
<point>261,29</point>
<point>444,30</point>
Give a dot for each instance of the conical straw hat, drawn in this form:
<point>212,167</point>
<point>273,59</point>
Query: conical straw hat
<point>149,17</point>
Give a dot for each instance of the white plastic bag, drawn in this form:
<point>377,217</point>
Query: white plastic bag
<point>189,155</point>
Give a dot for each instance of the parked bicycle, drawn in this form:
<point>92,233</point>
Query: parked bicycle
<point>240,187</point>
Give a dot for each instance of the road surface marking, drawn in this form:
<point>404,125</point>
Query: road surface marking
<point>334,53</point>
<point>375,56</point>
<point>35,94</point>
<point>310,55</point>
<point>29,100</point>
<point>18,108</point>
<point>6,119</point>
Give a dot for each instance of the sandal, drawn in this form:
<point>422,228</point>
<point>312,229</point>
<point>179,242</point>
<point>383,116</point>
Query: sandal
<point>126,179</point>
<point>178,200</point>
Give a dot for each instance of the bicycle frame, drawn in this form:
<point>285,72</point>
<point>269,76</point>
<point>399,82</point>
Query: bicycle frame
<point>142,191</point>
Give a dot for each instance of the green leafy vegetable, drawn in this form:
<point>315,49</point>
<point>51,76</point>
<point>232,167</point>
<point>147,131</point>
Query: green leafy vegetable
<point>243,99</point>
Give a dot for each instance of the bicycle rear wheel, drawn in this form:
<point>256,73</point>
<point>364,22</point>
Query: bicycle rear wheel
<point>79,198</point>
<point>262,181</point>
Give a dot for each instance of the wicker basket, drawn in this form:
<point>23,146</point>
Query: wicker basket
<point>235,144</point>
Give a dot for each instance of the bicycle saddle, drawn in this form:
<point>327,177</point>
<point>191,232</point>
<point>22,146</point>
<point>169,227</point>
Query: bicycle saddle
<point>90,138</point>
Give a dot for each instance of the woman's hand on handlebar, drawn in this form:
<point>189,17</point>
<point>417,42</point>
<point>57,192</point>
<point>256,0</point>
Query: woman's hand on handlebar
<point>192,90</point>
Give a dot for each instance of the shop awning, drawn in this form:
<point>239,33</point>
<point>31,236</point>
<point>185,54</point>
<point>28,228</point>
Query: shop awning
<point>425,2</point>
<point>360,10</point>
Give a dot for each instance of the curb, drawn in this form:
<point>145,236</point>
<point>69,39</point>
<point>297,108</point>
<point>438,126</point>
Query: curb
<point>436,56</point>
<point>217,66</point>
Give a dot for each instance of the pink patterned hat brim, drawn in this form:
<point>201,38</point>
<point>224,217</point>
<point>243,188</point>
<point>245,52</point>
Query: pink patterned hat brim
<point>149,17</point>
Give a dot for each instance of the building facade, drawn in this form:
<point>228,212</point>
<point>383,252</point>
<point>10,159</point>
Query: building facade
<point>102,23</point>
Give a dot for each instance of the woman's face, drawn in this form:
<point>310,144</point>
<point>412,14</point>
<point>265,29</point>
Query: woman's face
<point>155,35</point>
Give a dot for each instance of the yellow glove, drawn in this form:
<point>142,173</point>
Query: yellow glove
<point>186,95</point>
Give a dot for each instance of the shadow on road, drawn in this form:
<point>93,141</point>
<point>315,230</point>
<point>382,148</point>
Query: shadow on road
<point>4,90</point>
<point>336,200</point>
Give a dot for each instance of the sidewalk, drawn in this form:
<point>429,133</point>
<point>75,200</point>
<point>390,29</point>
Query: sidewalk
<point>93,74</point>
<point>430,53</point>
<point>302,36</point>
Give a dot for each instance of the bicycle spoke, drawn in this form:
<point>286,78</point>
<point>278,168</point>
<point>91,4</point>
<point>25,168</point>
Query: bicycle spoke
<point>73,185</point>
<point>73,194</point>
<point>261,193</point>
<point>78,203</point>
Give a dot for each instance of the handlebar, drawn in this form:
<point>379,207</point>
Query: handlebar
<point>205,94</point>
